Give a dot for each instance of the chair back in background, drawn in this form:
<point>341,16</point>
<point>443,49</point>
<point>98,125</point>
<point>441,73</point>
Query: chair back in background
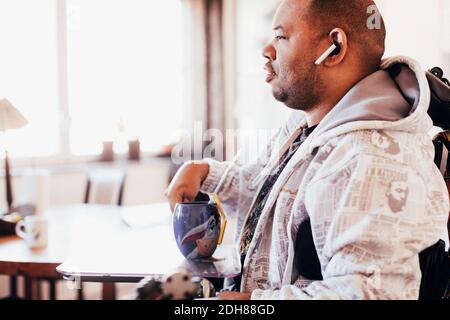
<point>105,186</point>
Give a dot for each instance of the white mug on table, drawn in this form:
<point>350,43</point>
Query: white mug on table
<point>34,229</point>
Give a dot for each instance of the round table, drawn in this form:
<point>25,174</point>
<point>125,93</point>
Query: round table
<point>110,244</point>
<point>16,259</point>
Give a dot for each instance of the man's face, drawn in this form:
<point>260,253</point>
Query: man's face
<point>291,54</point>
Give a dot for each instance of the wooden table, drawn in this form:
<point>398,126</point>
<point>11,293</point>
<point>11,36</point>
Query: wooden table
<point>107,243</point>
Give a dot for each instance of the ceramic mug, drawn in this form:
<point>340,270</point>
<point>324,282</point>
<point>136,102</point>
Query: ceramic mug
<point>34,229</point>
<point>199,227</point>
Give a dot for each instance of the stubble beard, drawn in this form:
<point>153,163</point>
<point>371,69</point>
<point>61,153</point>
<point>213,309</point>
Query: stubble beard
<point>300,89</point>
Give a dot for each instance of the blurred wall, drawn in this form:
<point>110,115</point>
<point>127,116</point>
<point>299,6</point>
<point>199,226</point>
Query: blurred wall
<point>419,29</point>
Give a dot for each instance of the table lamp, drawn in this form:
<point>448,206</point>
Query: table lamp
<point>10,118</point>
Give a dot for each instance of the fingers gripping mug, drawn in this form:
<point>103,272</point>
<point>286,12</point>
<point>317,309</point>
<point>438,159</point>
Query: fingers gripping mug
<point>199,227</point>
<point>34,229</point>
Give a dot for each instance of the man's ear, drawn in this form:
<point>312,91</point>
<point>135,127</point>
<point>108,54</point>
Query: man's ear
<point>339,38</point>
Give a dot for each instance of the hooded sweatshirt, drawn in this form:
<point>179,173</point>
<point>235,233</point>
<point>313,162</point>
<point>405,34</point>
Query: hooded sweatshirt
<point>366,180</point>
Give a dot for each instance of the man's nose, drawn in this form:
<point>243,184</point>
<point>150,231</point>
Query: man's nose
<point>269,52</point>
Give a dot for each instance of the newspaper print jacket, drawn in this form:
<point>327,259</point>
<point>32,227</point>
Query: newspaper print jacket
<point>366,179</point>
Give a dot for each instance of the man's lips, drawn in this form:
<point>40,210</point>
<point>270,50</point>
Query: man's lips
<point>270,73</point>
<point>270,77</point>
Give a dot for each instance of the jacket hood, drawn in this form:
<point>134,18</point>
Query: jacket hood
<point>396,98</point>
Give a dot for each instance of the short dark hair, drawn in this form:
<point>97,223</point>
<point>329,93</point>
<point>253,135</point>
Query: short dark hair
<point>353,17</point>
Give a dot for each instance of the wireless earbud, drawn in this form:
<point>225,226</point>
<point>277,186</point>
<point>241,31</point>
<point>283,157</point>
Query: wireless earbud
<point>334,47</point>
<point>326,54</point>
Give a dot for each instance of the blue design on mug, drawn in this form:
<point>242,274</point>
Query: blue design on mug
<point>196,227</point>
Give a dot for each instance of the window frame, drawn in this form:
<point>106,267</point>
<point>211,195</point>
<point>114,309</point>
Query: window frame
<point>64,155</point>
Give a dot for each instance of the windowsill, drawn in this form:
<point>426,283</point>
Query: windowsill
<point>75,164</point>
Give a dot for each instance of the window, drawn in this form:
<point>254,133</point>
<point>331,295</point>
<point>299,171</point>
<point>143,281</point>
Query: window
<point>113,68</point>
<point>29,75</point>
<point>125,72</point>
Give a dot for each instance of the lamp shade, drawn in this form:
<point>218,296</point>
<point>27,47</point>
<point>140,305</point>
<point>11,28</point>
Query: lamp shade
<point>10,117</point>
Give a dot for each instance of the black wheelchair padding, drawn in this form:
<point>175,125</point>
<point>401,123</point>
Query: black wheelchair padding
<point>439,109</point>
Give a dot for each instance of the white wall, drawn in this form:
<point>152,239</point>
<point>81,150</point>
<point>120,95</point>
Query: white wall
<point>419,29</point>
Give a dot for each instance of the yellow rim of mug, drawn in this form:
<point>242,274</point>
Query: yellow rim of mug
<point>223,216</point>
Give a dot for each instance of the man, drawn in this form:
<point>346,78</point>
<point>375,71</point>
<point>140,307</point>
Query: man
<point>352,195</point>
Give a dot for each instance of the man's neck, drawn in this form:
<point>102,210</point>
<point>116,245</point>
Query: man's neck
<point>315,114</point>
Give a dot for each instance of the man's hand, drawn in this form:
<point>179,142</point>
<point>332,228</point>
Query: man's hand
<point>234,296</point>
<point>186,184</point>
